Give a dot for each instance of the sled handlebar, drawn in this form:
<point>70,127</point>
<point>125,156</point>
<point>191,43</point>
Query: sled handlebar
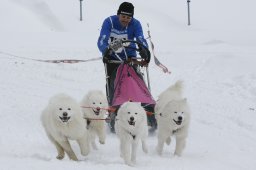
<point>143,50</point>
<point>137,61</point>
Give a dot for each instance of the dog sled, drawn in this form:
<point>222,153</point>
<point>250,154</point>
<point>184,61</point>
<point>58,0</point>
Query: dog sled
<point>130,83</point>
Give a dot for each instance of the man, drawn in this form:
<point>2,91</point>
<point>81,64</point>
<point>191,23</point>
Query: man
<point>115,29</point>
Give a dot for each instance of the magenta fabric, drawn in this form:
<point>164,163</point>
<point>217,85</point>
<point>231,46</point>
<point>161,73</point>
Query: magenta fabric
<point>130,87</point>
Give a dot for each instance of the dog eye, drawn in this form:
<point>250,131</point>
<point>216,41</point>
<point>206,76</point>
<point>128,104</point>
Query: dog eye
<point>160,114</point>
<point>93,103</point>
<point>136,113</point>
<point>129,112</point>
<point>60,108</point>
<point>100,103</point>
<point>69,109</point>
<point>175,112</point>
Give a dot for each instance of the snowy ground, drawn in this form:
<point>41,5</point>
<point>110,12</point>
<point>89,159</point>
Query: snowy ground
<point>215,57</point>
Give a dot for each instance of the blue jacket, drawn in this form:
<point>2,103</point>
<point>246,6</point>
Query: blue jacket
<point>112,29</point>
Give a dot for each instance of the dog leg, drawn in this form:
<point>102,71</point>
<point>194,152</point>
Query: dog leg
<point>102,135</point>
<point>59,148</point>
<point>84,145</point>
<point>160,146</point>
<point>67,148</point>
<point>144,146</point>
<point>126,152</point>
<point>92,140</point>
<point>134,151</point>
<point>180,145</point>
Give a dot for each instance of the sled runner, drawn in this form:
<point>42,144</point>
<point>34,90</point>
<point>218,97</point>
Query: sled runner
<point>128,83</point>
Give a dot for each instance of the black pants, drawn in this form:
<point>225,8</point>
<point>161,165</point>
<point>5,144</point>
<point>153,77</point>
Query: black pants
<point>111,74</point>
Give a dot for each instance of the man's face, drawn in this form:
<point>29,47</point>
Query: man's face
<point>124,20</point>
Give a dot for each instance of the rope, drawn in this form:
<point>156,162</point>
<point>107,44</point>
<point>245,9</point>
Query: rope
<point>69,61</point>
<point>95,108</point>
<point>110,109</point>
<point>96,119</point>
<point>157,62</point>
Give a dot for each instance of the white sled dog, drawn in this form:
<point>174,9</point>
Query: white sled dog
<point>173,117</point>
<point>131,127</point>
<point>94,106</point>
<point>62,120</point>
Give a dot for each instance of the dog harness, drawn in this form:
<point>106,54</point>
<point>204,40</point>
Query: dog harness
<point>133,136</point>
<point>177,130</point>
<point>88,123</point>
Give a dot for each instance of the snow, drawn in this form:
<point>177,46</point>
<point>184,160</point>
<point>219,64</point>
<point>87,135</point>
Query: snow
<point>215,56</point>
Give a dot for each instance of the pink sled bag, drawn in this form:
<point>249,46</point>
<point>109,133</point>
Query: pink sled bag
<point>130,87</point>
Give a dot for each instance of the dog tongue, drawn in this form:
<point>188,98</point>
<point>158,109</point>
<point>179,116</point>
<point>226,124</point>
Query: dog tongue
<point>131,123</point>
<point>97,112</point>
<point>64,118</point>
<point>177,122</point>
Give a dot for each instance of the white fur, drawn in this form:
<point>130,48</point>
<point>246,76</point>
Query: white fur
<point>174,92</point>
<point>130,134</point>
<point>95,99</point>
<point>60,130</point>
<point>173,117</point>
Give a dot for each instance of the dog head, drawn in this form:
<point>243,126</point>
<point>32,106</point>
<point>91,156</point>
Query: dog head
<point>95,103</point>
<point>174,92</point>
<point>131,114</point>
<point>176,112</point>
<point>64,108</point>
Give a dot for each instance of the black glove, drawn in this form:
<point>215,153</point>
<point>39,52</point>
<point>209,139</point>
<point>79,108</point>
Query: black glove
<point>144,63</point>
<point>106,55</point>
<point>144,53</point>
<point>116,44</point>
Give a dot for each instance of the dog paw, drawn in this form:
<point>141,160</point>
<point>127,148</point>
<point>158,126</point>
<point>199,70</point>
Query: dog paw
<point>133,161</point>
<point>85,153</point>
<point>102,142</point>
<point>74,158</point>
<point>60,157</point>
<point>177,153</point>
<point>129,163</point>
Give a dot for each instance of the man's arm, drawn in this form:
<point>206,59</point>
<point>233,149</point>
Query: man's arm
<point>104,36</point>
<point>139,34</point>
<point>144,51</point>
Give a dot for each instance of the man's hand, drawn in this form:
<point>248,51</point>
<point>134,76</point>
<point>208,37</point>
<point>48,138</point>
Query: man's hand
<point>144,63</point>
<point>144,53</point>
<point>106,55</point>
<point>116,44</point>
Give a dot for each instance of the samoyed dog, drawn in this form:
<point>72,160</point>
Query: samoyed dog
<point>173,117</point>
<point>63,121</point>
<point>131,127</point>
<point>94,106</point>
